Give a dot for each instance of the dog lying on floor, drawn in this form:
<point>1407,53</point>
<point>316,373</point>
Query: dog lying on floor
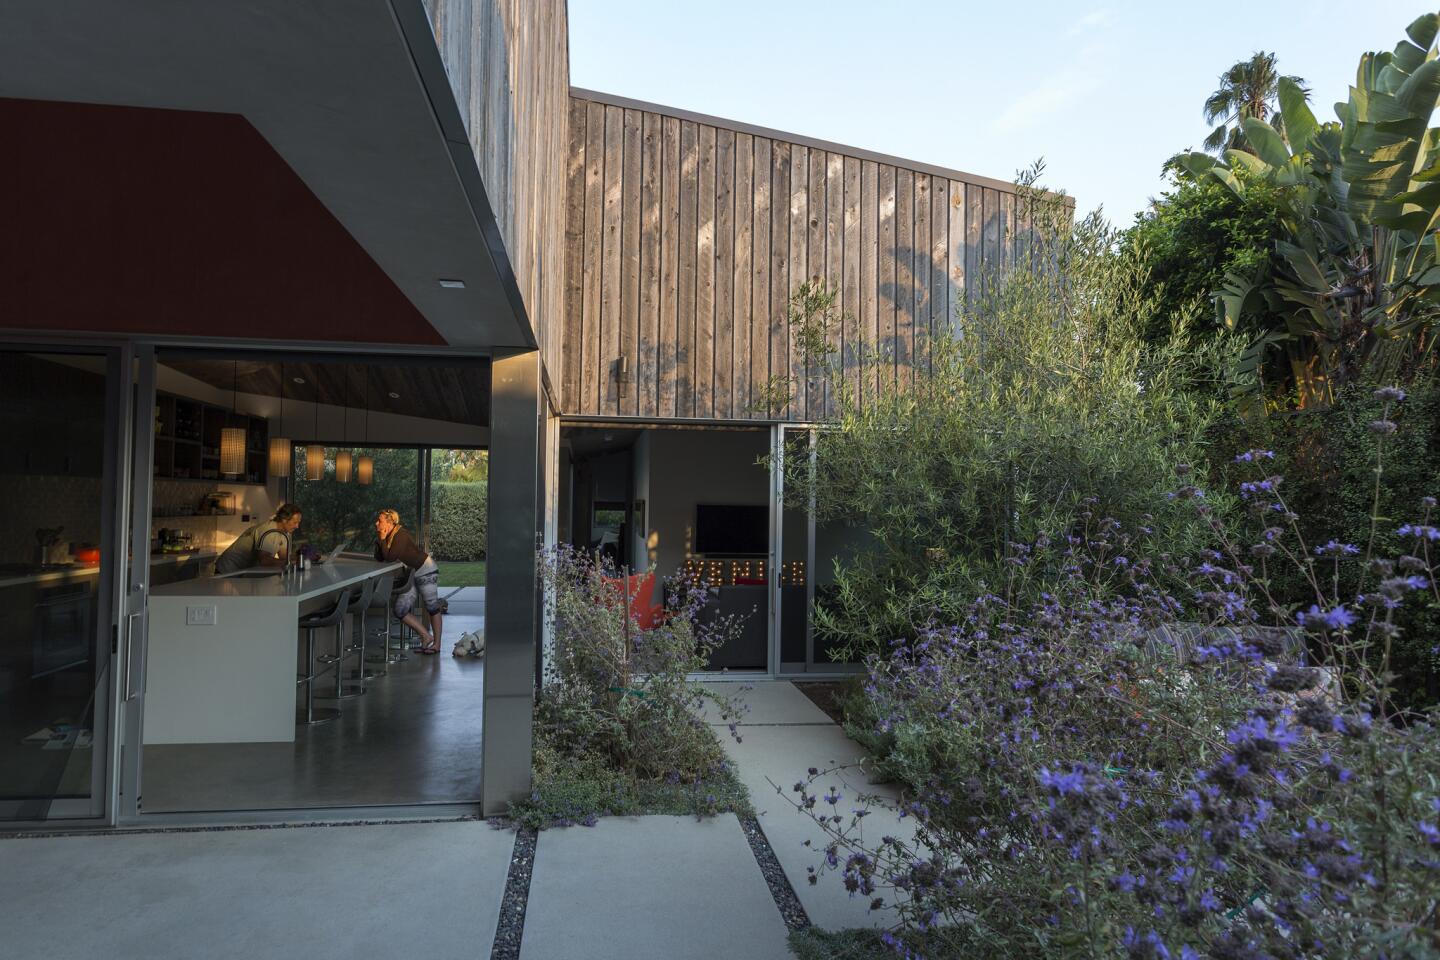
<point>470,644</point>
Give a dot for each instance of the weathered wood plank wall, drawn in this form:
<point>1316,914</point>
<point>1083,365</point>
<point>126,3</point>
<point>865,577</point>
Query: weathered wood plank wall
<point>686,236</point>
<point>508,66</point>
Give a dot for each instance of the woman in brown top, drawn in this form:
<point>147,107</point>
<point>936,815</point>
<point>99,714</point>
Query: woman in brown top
<point>394,543</point>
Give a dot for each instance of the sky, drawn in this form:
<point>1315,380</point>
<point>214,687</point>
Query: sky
<point>1105,92</point>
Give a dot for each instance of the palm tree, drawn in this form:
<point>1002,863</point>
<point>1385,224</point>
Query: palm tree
<point>1247,89</point>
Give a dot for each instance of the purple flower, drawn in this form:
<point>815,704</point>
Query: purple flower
<point>1430,832</point>
<point>1063,783</point>
<point>1381,426</point>
<point>1250,456</point>
<point>1389,394</point>
<point>1336,618</point>
<point>1336,549</point>
<point>1418,531</point>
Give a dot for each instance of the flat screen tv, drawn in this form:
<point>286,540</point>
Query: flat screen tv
<point>729,530</point>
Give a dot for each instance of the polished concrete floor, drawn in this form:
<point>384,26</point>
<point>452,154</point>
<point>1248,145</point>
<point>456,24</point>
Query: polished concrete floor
<point>414,737</point>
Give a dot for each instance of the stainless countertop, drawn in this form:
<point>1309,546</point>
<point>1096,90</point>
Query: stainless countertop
<point>315,582</point>
<point>55,574</point>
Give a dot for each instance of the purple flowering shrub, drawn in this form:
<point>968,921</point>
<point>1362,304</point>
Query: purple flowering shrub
<point>619,693</point>
<point>1098,763</point>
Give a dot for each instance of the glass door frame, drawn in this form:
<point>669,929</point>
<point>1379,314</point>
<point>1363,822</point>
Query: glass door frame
<point>100,808</point>
<point>811,669</point>
<point>780,433</point>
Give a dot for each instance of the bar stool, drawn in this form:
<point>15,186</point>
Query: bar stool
<point>380,598</point>
<point>358,601</point>
<point>333,617</point>
<point>406,634</point>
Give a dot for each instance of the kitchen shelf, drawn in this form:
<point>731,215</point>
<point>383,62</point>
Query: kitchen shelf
<point>185,454</point>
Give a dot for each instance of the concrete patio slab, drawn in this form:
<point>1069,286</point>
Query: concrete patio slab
<point>650,888</point>
<point>769,702</point>
<point>290,892</point>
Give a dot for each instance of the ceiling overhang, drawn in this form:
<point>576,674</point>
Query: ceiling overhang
<point>333,87</point>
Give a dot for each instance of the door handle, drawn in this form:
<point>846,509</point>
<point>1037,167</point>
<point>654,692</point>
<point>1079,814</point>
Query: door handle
<point>127,693</point>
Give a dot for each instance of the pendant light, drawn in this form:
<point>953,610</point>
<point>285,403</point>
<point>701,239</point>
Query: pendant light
<point>315,452</point>
<point>232,439</point>
<point>281,453</point>
<point>342,459</point>
<point>365,466</point>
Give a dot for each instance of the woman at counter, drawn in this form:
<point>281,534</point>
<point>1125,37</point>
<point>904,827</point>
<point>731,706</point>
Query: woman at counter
<point>394,543</point>
<point>264,545</point>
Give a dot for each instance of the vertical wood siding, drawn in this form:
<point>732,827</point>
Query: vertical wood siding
<point>508,66</point>
<point>685,240</point>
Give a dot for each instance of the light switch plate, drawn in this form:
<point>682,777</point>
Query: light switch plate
<point>200,616</point>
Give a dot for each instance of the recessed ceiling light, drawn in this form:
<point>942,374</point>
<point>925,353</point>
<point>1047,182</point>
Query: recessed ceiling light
<point>394,395</point>
<point>453,284</point>
<point>298,379</point>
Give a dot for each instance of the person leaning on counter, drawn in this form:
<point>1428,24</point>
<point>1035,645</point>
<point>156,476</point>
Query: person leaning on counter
<point>394,543</point>
<point>263,545</point>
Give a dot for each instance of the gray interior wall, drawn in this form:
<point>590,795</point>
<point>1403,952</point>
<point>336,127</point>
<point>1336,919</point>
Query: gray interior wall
<point>688,467</point>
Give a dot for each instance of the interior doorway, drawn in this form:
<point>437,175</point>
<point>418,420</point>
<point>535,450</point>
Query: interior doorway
<point>369,719</point>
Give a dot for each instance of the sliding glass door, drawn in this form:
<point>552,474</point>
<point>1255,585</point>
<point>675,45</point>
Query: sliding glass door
<point>60,419</point>
<point>804,559</point>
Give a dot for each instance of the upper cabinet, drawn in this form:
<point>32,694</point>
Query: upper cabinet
<point>187,440</point>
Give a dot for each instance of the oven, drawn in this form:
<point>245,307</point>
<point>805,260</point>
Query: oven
<point>63,633</point>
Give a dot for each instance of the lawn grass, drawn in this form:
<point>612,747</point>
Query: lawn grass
<point>453,574</point>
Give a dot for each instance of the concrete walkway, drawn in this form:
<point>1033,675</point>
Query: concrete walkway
<point>429,890</point>
<point>782,735</point>
<point>650,888</point>
<point>645,888</point>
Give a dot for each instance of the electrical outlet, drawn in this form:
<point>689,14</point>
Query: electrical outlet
<point>200,616</point>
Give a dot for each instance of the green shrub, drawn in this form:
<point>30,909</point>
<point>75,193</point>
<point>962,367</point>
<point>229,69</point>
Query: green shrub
<point>1055,400</point>
<point>617,725</point>
<point>459,515</point>
<point>1327,458</point>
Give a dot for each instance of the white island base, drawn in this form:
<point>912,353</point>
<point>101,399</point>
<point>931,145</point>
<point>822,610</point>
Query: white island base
<point>232,679</point>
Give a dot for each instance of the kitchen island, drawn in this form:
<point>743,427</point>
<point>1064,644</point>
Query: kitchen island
<point>223,651</point>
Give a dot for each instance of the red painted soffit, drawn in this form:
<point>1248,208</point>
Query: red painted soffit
<point>135,220</point>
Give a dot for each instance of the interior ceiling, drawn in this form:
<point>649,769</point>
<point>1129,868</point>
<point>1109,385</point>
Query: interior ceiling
<point>456,393</point>
<point>329,84</point>
<point>587,442</point>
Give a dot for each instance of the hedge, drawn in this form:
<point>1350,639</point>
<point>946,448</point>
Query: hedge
<point>458,516</point>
